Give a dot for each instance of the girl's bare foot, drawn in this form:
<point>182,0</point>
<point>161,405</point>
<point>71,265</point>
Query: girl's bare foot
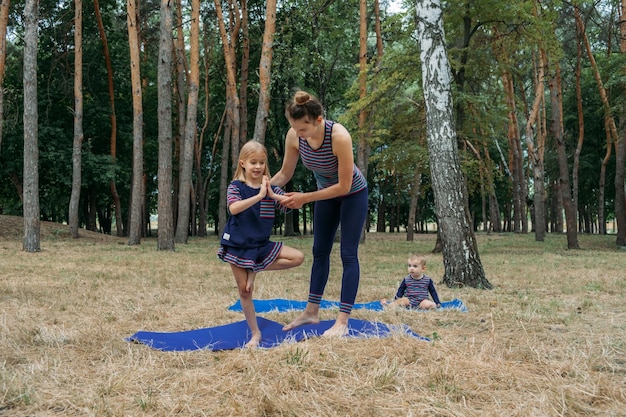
<point>250,281</point>
<point>304,318</point>
<point>337,330</point>
<point>254,341</point>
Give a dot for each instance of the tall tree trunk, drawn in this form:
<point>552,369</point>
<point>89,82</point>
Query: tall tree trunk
<point>231,132</point>
<point>557,130</point>
<point>515,167</point>
<point>178,44</point>
<point>536,150</point>
<point>32,232</point>
<point>243,74</point>
<point>602,184</point>
<point>202,184</point>
<point>362,141</point>
<point>265,72</point>
<point>460,250</point>
<point>165,235</point>
<point>611,128</point>
<point>364,149</point>
<point>620,193</point>
<point>229,40</point>
<point>363,136</point>
<point>119,222</point>
<point>581,116</point>
<point>620,151</point>
<point>4,19</point>
<point>78,118</point>
<point>193,86</point>
<point>179,91</point>
<point>137,189</point>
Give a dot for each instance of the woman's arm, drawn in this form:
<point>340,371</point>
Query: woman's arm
<point>290,160</point>
<point>342,148</point>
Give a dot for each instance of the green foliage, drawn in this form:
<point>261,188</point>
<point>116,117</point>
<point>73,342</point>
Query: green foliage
<point>316,48</point>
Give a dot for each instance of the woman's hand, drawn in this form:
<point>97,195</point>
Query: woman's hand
<point>295,200</point>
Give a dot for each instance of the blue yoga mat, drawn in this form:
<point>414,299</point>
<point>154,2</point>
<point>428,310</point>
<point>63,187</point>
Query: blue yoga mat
<point>284,305</point>
<point>236,335</point>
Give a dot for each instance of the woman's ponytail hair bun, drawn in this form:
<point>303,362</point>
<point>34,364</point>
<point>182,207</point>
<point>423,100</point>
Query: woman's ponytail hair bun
<point>303,106</point>
<point>301,97</point>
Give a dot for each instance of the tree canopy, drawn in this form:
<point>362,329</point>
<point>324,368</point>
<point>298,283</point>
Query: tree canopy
<point>495,49</point>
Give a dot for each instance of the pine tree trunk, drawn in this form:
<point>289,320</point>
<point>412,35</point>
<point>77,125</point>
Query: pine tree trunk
<point>119,222</point>
<point>244,73</point>
<point>229,40</point>
<point>620,151</point>
<point>180,91</point>
<point>581,118</point>
<point>557,131</point>
<point>78,119</point>
<point>602,182</point>
<point>4,19</point>
<point>137,190</point>
<point>460,251</point>
<point>165,238</point>
<point>620,194</point>
<point>535,143</point>
<point>517,180</point>
<point>32,232</point>
<point>185,189</point>
<point>265,72</point>
<point>610,126</point>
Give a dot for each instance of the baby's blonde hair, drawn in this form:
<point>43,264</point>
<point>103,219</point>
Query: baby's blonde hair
<point>418,258</point>
<point>247,151</point>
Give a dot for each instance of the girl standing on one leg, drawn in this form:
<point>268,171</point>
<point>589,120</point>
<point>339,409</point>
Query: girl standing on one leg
<point>246,241</point>
<point>325,148</point>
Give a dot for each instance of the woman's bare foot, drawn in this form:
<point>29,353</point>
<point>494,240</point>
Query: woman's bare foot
<point>337,330</point>
<point>254,341</point>
<point>304,318</point>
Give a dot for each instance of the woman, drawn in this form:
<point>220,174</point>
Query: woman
<point>325,148</point>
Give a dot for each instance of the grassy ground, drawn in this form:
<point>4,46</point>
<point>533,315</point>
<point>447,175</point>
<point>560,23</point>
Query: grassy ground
<point>548,340</point>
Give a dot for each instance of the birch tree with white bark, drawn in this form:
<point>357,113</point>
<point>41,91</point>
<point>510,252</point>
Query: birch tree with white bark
<point>460,250</point>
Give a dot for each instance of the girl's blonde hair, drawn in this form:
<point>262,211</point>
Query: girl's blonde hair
<point>249,150</point>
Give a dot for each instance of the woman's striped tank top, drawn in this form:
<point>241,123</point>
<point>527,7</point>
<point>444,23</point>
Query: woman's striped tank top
<point>324,164</point>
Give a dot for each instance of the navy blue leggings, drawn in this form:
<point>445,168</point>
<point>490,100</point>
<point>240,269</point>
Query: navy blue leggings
<point>350,211</point>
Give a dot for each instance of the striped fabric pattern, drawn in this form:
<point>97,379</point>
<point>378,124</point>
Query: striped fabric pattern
<point>249,263</point>
<point>324,164</point>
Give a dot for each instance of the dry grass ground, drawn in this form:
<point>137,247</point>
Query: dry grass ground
<point>548,340</point>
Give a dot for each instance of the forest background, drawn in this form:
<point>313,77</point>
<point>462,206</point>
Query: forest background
<point>538,94</point>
